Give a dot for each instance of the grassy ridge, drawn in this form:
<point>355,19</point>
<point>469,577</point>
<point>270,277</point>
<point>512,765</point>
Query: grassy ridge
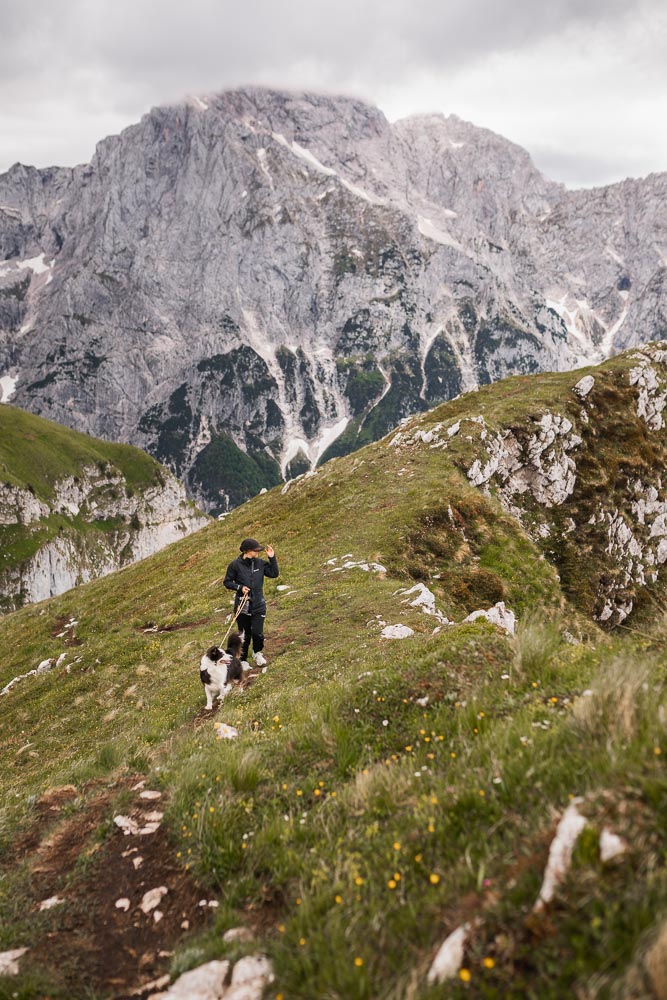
<point>381,792</point>
<point>36,453</point>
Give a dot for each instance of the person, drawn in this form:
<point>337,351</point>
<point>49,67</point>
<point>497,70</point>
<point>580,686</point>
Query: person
<point>245,576</point>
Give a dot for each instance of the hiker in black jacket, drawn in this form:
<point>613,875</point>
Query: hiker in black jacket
<point>245,576</point>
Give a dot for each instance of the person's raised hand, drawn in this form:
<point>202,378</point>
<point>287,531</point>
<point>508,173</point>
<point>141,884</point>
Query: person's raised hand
<point>270,551</point>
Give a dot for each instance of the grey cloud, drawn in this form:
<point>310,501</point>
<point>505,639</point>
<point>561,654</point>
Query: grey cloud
<point>139,46</point>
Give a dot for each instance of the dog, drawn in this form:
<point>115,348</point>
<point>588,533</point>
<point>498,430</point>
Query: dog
<point>219,670</point>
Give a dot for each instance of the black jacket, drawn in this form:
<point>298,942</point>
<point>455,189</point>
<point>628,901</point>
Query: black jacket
<point>250,573</point>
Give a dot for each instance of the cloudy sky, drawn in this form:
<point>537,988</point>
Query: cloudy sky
<point>581,84</point>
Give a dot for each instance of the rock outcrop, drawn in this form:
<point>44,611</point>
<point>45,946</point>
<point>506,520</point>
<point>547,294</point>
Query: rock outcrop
<point>583,473</point>
<point>124,528</point>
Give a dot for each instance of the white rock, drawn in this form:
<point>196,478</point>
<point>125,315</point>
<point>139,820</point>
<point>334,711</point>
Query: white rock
<point>150,795</point>
<point>560,852</point>
<point>584,386</point>
<point>9,961</point>
<point>449,958</point>
<point>424,599</point>
<point>250,978</point>
<point>498,615</point>
<point>611,846</point>
<point>152,823</point>
<point>241,934</point>
<point>225,732</point>
<point>205,983</point>
<point>127,825</point>
<point>123,904</point>
<point>48,904</point>
<point>396,632</point>
<point>152,898</point>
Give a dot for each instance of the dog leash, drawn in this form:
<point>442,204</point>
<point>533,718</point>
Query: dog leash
<point>242,603</point>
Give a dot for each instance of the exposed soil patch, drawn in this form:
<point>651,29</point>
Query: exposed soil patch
<point>65,628</point>
<point>106,937</point>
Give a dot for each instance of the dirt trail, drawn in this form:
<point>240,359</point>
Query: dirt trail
<point>108,937</point>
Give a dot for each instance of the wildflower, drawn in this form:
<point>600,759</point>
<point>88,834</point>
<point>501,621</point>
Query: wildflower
<point>488,962</point>
<point>391,884</point>
<point>211,809</point>
<point>281,928</point>
<point>299,793</point>
<point>358,880</point>
<point>302,941</point>
<point>452,755</point>
<point>482,792</point>
<point>465,975</point>
<point>434,878</point>
<point>317,792</point>
<point>358,962</point>
<point>284,786</point>
<point>434,800</point>
<point>657,751</point>
<point>298,900</point>
<point>408,749</point>
<point>431,827</point>
<point>396,845</point>
<point>338,899</point>
<point>276,718</point>
<point>418,858</point>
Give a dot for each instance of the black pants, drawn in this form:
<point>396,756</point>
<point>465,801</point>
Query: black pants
<point>252,627</point>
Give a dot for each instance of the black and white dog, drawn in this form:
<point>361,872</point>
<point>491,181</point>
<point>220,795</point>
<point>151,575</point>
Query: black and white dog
<point>218,670</point>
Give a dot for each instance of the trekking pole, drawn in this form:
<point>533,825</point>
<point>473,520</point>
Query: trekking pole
<point>242,604</point>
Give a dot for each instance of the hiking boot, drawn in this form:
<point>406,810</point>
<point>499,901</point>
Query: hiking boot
<point>260,660</point>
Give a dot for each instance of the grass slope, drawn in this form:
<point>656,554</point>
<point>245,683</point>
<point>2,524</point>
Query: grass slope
<point>381,792</point>
<point>35,453</point>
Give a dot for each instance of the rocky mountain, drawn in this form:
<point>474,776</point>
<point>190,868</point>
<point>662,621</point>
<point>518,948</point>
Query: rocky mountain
<point>73,508</point>
<point>250,282</point>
